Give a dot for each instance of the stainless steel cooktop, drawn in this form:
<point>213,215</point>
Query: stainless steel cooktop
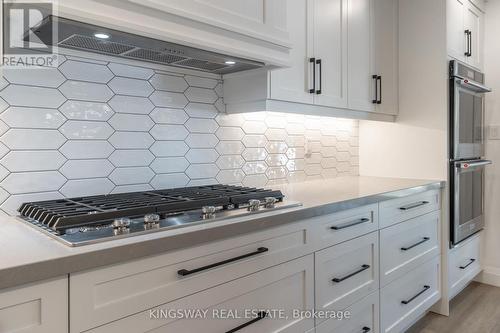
<point>88,220</point>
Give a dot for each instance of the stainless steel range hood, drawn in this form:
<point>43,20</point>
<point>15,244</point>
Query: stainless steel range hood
<point>82,36</point>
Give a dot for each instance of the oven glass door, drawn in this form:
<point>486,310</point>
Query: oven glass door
<point>469,198</point>
<point>468,124</point>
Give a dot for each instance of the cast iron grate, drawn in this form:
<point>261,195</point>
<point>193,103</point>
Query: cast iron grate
<point>62,214</point>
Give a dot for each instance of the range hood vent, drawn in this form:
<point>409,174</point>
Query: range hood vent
<point>82,36</point>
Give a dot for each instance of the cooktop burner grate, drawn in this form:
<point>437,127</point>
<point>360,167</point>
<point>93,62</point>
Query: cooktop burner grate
<point>62,214</point>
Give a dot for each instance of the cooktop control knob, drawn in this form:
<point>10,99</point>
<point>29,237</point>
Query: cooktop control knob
<point>121,225</point>
<point>253,205</point>
<point>151,219</point>
<point>270,202</point>
<point>208,212</point>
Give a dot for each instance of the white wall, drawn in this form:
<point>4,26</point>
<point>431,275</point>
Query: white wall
<point>491,243</point>
<point>416,145</point>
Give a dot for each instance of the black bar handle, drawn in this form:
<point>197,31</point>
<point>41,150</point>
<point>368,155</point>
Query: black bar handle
<point>313,62</point>
<point>350,224</point>
<point>318,62</point>
<point>363,268</point>
<point>379,79</point>
<point>261,315</point>
<point>414,205</point>
<point>185,272</point>
<point>471,261</point>
<point>413,298</point>
<point>425,239</point>
<point>467,42</point>
<point>365,329</point>
<point>375,78</point>
<point>470,43</point>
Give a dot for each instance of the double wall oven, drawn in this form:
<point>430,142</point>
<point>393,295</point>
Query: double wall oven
<point>467,165</point>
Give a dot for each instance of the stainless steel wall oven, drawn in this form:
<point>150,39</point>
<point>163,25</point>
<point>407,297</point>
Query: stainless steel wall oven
<point>467,165</point>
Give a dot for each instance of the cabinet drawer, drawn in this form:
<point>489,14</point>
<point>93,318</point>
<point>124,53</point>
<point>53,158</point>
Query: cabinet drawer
<point>464,264</point>
<point>336,228</point>
<point>406,299</point>
<point>35,308</point>
<point>364,317</point>
<point>407,245</point>
<point>402,209</point>
<point>118,291</point>
<point>347,272</point>
<point>287,286</point>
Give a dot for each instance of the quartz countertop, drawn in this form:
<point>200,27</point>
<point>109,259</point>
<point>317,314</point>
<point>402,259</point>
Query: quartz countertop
<point>28,256</point>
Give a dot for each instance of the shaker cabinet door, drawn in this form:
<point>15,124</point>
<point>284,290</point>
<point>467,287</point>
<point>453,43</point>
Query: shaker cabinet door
<point>330,50</point>
<point>293,84</point>
<point>360,36</point>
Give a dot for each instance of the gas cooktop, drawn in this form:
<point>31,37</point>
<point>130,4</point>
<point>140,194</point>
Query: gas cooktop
<point>87,220</point>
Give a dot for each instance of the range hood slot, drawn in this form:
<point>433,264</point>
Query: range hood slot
<point>81,36</point>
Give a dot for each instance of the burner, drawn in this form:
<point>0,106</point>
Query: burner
<point>150,210</point>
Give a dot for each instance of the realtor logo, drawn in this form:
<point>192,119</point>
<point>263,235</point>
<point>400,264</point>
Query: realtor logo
<point>22,47</point>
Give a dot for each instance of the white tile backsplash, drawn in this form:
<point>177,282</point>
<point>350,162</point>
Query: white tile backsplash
<point>93,127</point>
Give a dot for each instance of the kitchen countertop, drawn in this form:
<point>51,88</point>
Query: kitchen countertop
<point>29,256</point>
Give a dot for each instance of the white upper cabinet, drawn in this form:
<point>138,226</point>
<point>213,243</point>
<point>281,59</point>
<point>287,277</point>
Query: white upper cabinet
<point>330,52</point>
<point>293,83</point>
<point>465,31</point>
<point>361,72</point>
<point>474,21</point>
<point>255,30</point>
<point>343,63</point>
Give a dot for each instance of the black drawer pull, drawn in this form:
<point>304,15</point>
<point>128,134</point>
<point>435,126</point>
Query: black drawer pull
<point>261,315</point>
<point>413,298</point>
<point>350,224</point>
<point>366,329</point>
<point>471,261</point>
<point>425,239</point>
<point>414,205</point>
<point>363,268</point>
<point>185,272</point>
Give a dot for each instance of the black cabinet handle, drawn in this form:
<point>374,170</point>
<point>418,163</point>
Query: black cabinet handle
<point>350,224</point>
<point>366,329</point>
<point>379,80</point>
<point>468,35</point>
<point>363,268</point>
<point>414,205</point>
<point>413,298</point>
<point>185,272</point>
<point>261,315</point>
<point>425,239</point>
<point>318,62</point>
<point>470,43</point>
<point>467,42</point>
<point>375,78</point>
<point>470,263</point>
<point>313,62</point>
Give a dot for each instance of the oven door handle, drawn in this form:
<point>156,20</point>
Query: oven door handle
<point>477,87</point>
<point>467,165</point>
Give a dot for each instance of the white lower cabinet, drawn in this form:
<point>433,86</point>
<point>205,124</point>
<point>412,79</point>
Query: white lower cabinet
<point>118,291</point>
<point>378,263</point>
<point>407,245</point>
<point>464,264</point>
<point>363,317</point>
<point>35,308</point>
<point>346,273</point>
<point>406,299</point>
<point>288,286</point>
